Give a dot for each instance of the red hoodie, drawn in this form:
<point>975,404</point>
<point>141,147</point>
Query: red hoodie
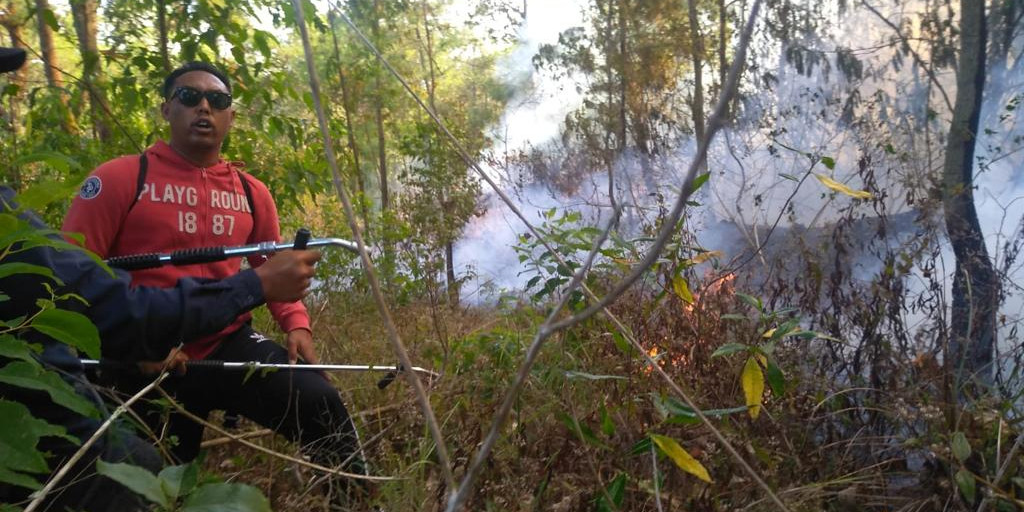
<point>181,207</point>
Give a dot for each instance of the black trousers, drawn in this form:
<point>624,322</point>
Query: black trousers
<point>301,405</point>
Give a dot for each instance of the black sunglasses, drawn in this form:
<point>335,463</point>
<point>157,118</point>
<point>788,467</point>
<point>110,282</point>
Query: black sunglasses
<point>190,97</point>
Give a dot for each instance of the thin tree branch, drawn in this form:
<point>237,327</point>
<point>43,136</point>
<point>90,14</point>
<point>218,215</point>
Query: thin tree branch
<point>543,333</point>
<point>533,230</point>
<point>60,474</point>
<point>672,219</point>
<point>241,439</point>
<point>368,268</point>
<point>917,58</point>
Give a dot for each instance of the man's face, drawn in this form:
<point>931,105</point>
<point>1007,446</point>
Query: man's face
<point>200,128</point>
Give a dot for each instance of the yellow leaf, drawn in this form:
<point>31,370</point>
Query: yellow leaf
<point>681,457</point>
<point>704,256</point>
<point>843,189</point>
<point>753,386</point>
<point>768,333</point>
<point>682,289</point>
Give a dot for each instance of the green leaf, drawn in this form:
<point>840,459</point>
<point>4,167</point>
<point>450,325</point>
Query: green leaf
<point>58,161</point>
<point>677,412</point>
<point>138,479</point>
<point>729,348</point>
<point>226,498</point>
<point>607,424</point>
<point>178,481</point>
<point>734,316</point>
<point>8,223</point>
<point>776,379</point>
<point>961,448</point>
<point>828,162</point>
<point>965,482</point>
<point>699,181</point>
<point>13,348</point>
<point>752,381</point>
<point>70,328</point>
<point>620,342</point>
<point>752,301</point>
<point>51,19</point>
<point>47,192</point>
<point>9,269</point>
<point>681,457</point>
<point>581,430</point>
<point>789,177</point>
<point>643,446</point>
<point>19,435</point>
<point>32,376</point>
<point>616,492</point>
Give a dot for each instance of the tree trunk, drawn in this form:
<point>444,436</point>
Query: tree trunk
<point>84,13</point>
<point>51,65</point>
<point>353,147</point>
<point>12,22</point>
<point>162,29</point>
<point>451,283</point>
<point>382,162</point>
<point>975,284</point>
<point>609,154</point>
<point>697,52</point>
<point>723,66</point>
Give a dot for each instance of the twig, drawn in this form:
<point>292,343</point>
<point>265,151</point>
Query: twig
<point>657,485</point>
<point>465,486</point>
<point>56,478</point>
<point>714,125</point>
<point>245,435</point>
<point>1010,457</point>
<point>368,268</point>
<point>917,58</point>
<point>240,440</point>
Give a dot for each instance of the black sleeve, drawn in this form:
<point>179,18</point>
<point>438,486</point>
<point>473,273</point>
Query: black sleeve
<point>134,323</point>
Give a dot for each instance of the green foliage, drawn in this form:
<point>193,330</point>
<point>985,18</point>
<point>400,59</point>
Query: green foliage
<point>19,436</point>
<point>178,488</point>
<point>571,241</point>
<point>19,431</point>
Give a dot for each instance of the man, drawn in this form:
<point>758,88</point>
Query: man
<point>134,324</point>
<point>181,194</point>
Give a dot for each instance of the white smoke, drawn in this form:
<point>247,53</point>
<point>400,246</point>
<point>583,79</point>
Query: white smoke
<point>786,125</point>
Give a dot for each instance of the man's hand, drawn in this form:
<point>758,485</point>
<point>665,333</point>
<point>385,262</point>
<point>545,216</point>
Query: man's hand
<point>174,362</point>
<point>286,276</point>
<point>300,343</point>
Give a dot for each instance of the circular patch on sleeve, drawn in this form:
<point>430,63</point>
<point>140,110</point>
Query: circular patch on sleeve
<point>91,188</point>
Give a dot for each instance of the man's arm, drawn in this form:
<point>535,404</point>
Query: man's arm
<point>145,323</point>
<point>292,317</point>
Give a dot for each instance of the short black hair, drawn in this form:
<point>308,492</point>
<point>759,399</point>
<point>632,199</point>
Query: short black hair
<point>194,66</point>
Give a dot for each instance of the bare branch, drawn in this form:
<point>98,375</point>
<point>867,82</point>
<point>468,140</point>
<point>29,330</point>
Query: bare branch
<point>63,471</point>
<point>241,439</point>
<point>368,268</point>
<point>543,333</point>
<point>917,58</point>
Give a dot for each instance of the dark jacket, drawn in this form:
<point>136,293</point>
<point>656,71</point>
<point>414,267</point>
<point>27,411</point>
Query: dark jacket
<point>134,323</point>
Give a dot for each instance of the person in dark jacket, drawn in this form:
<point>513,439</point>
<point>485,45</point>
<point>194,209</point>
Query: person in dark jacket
<point>134,324</point>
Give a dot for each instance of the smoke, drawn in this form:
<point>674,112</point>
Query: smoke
<point>864,114</point>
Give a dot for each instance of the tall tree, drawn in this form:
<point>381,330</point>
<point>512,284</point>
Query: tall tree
<point>51,64</point>
<point>975,283</point>
<point>85,16</point>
